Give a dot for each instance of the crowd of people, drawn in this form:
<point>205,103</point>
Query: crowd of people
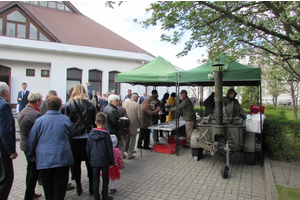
<point>101,131</point>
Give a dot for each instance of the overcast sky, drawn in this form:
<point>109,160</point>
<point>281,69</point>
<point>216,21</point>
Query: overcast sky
<point>120,21</point>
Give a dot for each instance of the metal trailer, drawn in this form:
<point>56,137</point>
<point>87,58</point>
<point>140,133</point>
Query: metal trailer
<point>226,135</point>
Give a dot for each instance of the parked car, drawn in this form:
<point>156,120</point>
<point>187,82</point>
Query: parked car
<point>285,103</point>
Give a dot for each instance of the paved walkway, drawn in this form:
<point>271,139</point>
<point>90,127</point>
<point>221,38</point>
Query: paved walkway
<point>286,174</point>
<point>164,176</point>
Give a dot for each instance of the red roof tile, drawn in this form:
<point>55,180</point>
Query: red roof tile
<point>75,28</point>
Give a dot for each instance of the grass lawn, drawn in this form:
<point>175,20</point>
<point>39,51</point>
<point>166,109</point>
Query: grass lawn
<point>290,114</point>
<point>289,111</point>
<point>288,193</point>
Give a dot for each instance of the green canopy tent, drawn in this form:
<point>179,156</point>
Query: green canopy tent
<point>159,72</point>
<point>236,74</point>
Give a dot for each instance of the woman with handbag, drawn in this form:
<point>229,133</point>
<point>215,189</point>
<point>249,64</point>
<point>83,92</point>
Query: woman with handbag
<point>82,114</point>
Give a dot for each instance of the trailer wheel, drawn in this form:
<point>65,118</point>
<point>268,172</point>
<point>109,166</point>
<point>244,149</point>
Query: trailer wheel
<point>224,171</point>
<point>249,158</point>
<point>197,152</point>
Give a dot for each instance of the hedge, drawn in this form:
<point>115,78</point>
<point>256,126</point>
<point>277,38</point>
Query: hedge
<point>281,136</point>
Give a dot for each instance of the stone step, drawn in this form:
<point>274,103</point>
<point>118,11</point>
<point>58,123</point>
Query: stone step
<point>14,113</point>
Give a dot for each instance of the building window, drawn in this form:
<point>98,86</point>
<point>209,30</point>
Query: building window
<point>112,85</point>
<point>74,74</point>
<point>45,73</point>
<point>1,22</point>
<point>73,78</point>
<point>21,31</point>
<point>15,23</point>
<point>30,72</point>
<point>16,16</point>
<point>10,29</point>
<point>43,37</point>
<point>51,4</point>
<point>42,3</point>
<point>59,5</point>
<point>33,32</point>
<point>95,79</point>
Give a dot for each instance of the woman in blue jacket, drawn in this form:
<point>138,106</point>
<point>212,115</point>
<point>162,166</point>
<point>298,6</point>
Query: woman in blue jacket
<point>49,145</point>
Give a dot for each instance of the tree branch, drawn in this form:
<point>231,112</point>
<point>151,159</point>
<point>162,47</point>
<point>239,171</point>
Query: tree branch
<point>277,13</point>
<point>237,19</point>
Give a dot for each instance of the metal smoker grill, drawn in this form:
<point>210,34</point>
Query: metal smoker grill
<point>226,135</point>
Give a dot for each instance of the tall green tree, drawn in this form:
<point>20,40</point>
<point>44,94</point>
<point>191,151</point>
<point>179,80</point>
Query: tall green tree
<point>281,81</point>
<point>249,96</point>
<point>273,83</point>
<point>239,28</point>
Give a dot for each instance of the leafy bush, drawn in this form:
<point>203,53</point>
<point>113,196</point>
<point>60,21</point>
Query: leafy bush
<point>270,107</point>
<point>199,110</point>
<point>281,136</point>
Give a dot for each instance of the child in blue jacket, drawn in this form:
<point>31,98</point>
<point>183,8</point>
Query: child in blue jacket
<point>100,151</point>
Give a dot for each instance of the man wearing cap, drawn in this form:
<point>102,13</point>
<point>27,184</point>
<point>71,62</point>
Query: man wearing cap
<point>189,115</point>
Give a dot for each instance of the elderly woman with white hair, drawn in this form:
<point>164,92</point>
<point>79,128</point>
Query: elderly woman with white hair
<point>113,119</point>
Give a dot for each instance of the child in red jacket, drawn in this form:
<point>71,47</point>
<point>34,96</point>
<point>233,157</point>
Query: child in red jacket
<point>115,171</point>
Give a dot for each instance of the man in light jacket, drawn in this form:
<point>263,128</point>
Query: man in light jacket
<point>134,113</point>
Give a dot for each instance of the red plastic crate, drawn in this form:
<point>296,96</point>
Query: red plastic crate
<point>254,109</point>
<point>163,148</point>
<point>181,141</point>
<point>172,140</point>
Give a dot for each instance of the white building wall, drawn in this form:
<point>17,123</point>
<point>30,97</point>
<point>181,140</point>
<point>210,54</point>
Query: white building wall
<point>21,54</point>
<point>18,72</point>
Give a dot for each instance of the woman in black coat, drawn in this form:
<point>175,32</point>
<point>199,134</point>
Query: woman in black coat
<point>82,114</point>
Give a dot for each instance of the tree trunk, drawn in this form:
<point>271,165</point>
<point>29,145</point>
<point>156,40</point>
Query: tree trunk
<point>201,93</point>
<point>294,102</point>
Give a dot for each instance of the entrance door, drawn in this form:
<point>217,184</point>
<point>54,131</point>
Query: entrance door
<point>5,74</point>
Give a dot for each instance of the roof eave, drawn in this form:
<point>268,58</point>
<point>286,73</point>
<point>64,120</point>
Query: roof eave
<point>61,48</point>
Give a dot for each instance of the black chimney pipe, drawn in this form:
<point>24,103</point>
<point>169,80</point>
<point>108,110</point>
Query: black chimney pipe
<point>219,93</point>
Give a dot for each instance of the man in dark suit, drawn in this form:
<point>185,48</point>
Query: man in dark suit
<point>7,142</point>
<point>22,97</point>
